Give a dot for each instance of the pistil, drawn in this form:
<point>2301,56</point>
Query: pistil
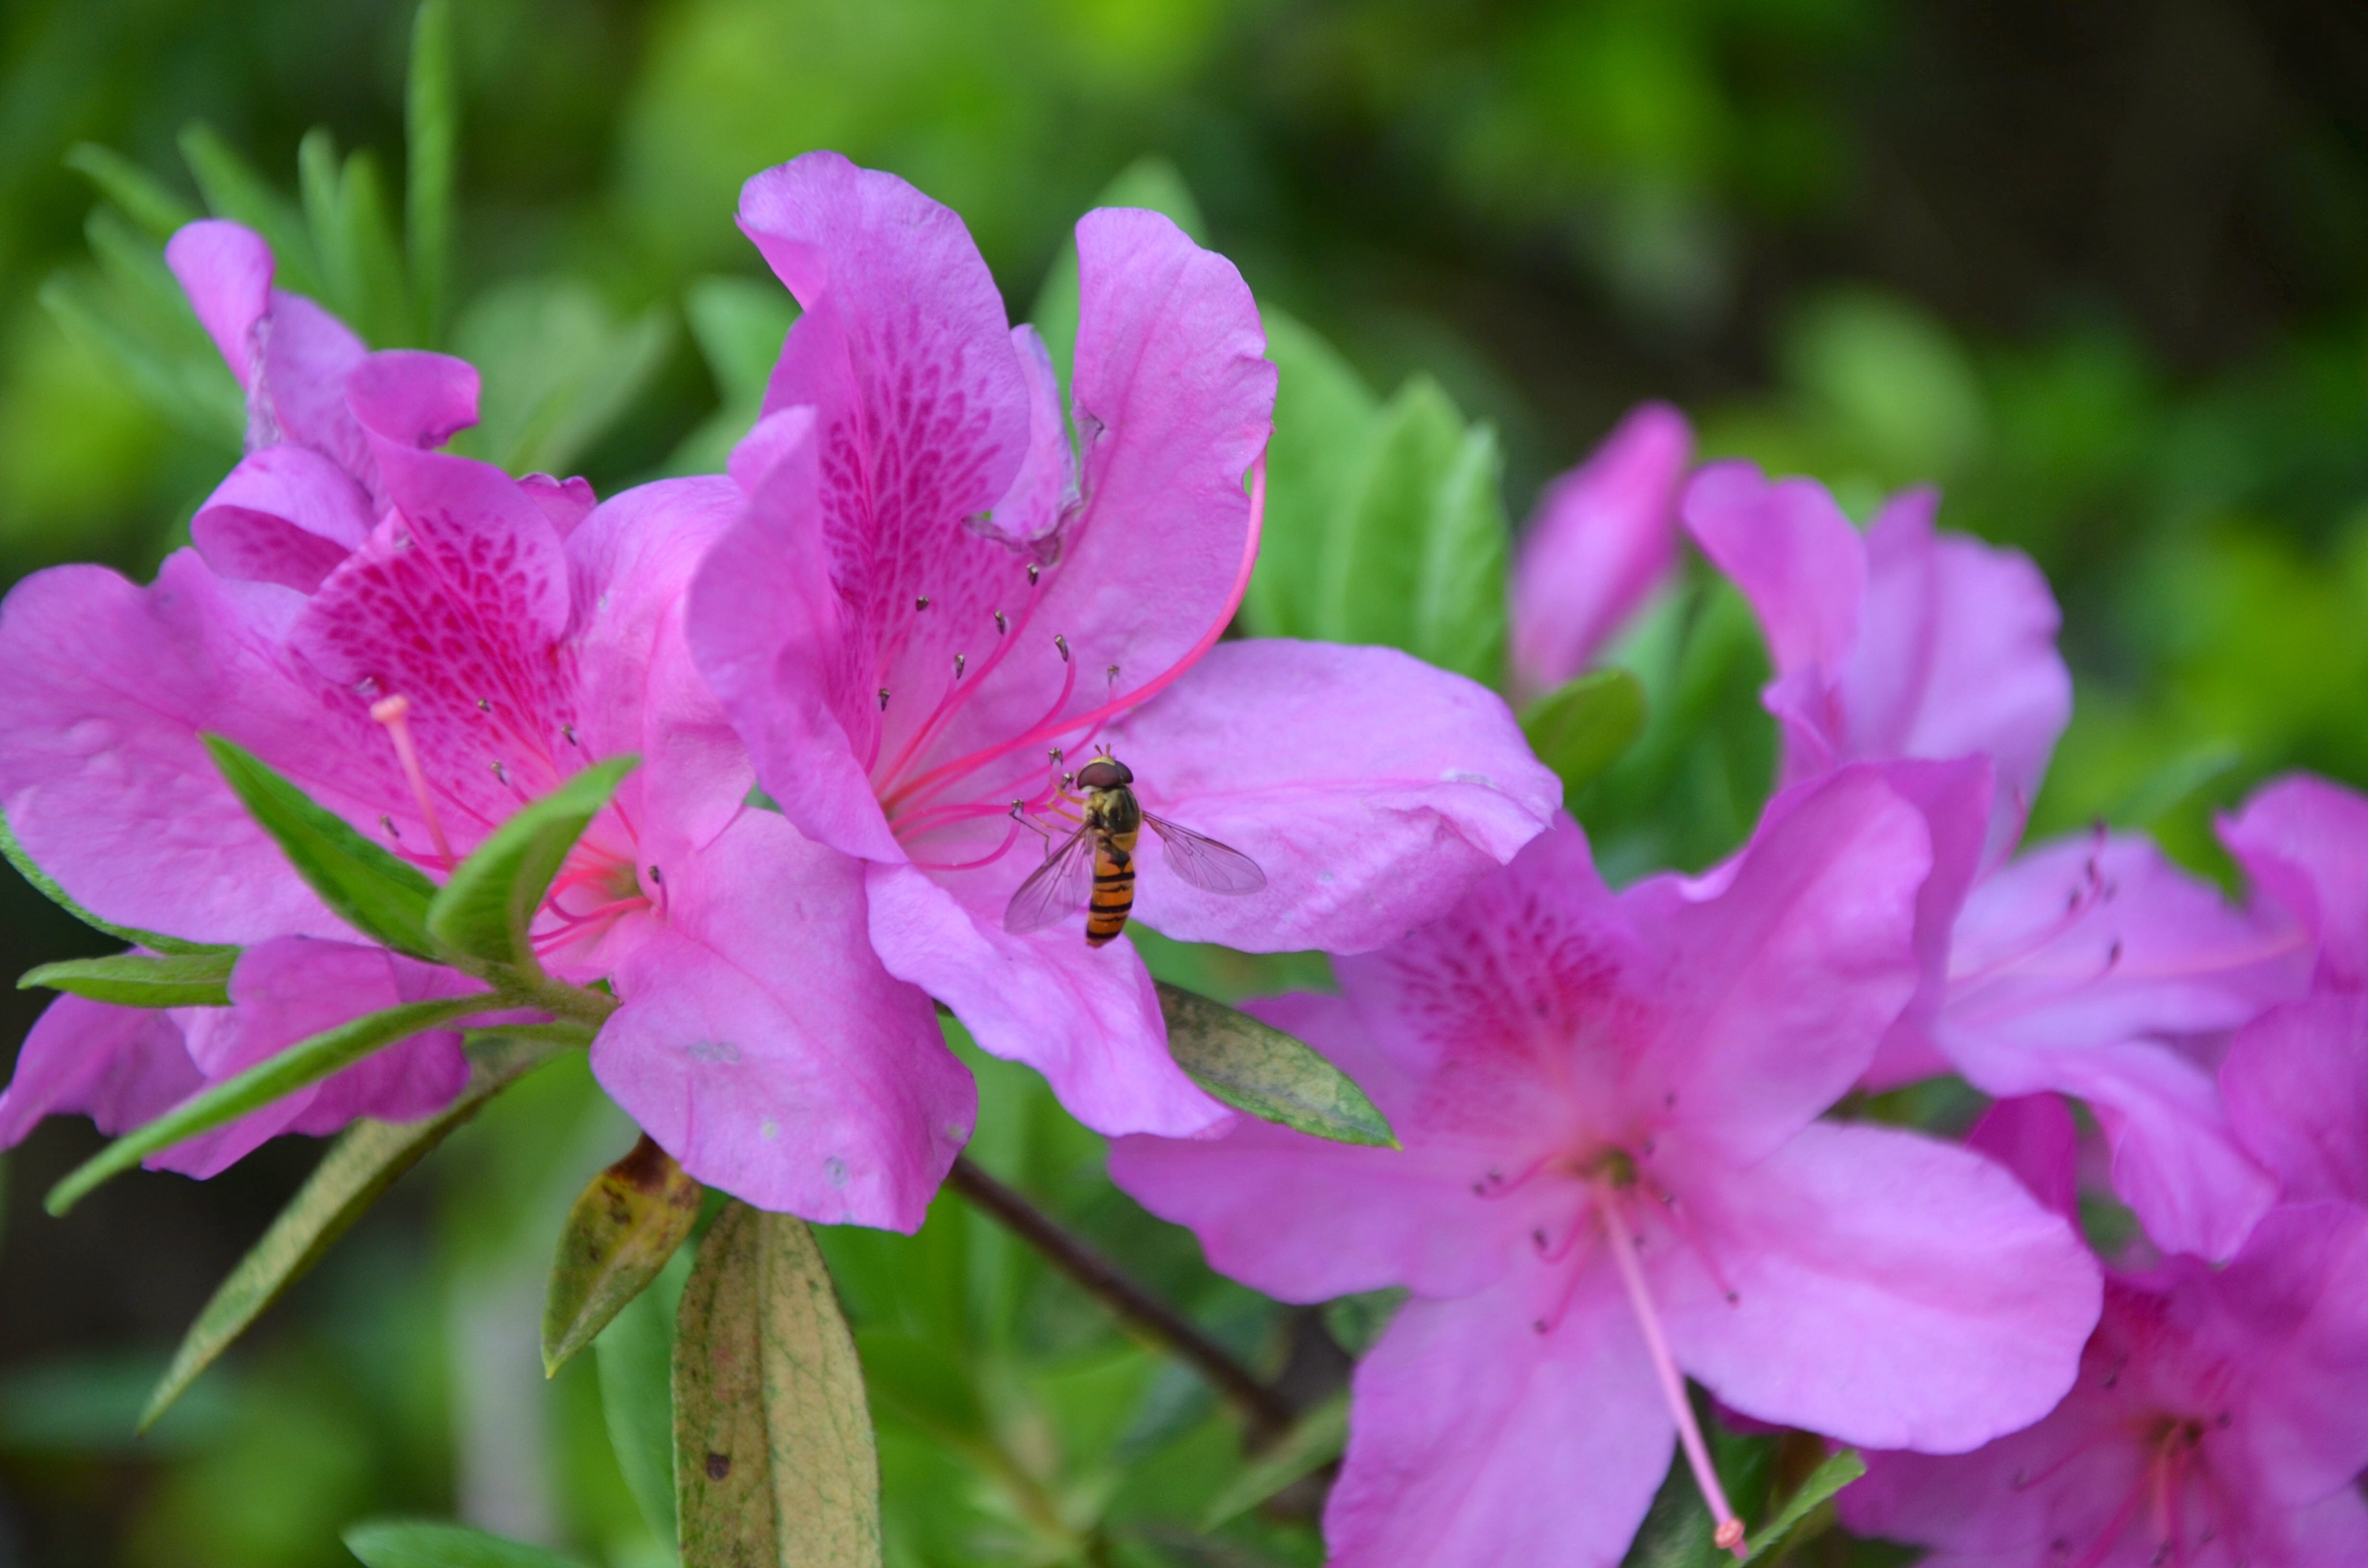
<point>395,712</point>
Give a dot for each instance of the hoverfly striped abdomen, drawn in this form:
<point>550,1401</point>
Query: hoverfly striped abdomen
<point>1115,818</point>
<point>1095,866</point>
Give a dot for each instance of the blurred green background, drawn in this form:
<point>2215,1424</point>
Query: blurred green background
<point>2097,269</point>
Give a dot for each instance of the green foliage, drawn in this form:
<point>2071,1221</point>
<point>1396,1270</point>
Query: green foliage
<point>1582,729</point>
<point>1838,1471</point>
<point>622,1233</point>
<point>739,325</point>
<point>479,917</point>
<point>1151,183</point>
<point>365,886</point>
<point>432,128</point>
<point>130,980</point>
<point>403,1543</point>
<point>636,1359</point>
<point>559,370</point>
<point>1318,1438</point>
<point>1257,1068</point>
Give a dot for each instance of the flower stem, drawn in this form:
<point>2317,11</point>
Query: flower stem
<point>1665,1366</point>
<point>1266,1410</point>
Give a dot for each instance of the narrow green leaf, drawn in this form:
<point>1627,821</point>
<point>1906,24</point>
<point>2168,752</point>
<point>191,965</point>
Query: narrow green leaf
<point>199,398</point>
<point>363,885</point>
<point>321,186</point>
<point>1149,182</point>
<point>1459,603</point>
<point>142,196</point>
<point>774,1459</point>
<point>1258,1069</point>
<point>415,1543</point>
<point>383,308</point>
<point>234,190</point>
<point>365,1161</point>
<point>635,1357</point>
<point>432,132</point>
<point>1582,728</point>
<point>1369,573</point>
<point>1838,1471</point>
<point>482,910</point>
<point>625,1225</point>
<point>132,979</point>
<point>1324,417</point>
<point>307,1061</point>
<point>1313,1441</point>
<point>47,888</point>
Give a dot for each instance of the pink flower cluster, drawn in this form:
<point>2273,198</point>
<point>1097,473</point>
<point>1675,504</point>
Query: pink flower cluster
<point>1630,1156</point>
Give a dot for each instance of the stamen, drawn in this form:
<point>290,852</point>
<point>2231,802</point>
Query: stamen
<point>568,730</point>
<point>1033,570</point>
<point>395,712</point>
<point>1729,1535</point>
<point>959,660</point>
<point>1062,642</point>
<point>921,603</point>
<point>485,705</point>
<point>884,700</point>
<point>1001,625</point>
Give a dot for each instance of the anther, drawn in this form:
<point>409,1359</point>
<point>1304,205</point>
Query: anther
<point>657,878</point>
<point>922,602</point>
<point>1001,625</point>
<point>395,712</point>
<point>1062,643</point>
<point>1033,570</point>
<point>568,730</point>
<point>959,660</point>
<point>485,705</point>
<point>498,774</point>
<point>388,822</point>
<point>884,700</point>
<point>1054,753</point>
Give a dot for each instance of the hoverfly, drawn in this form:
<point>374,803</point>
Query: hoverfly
<point>1099,858</point>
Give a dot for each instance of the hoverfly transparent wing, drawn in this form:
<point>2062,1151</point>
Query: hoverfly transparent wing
<point>1055,890</point>
<point>1208,865</point>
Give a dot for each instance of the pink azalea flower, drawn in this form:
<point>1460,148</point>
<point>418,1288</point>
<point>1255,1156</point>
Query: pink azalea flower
<point>465,657</point>
<point>933,609</point>
<point>1605,536</point>
<point>2089,966</point>
<point>2215,1423</point>
<point>1614,1174</point>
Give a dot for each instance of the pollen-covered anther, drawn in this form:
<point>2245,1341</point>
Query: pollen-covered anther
<point>1033,570</point>
<point>485,705</point>
<point>959,660</point>
<point>920,602</point>
<point>1001,625</point>
<point>1062,642</point>
<point>884,700</point>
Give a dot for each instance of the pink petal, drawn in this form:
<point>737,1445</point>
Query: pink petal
<point>1370,788</point>
<point>1305,1219</point>
<point>566,501</point>
<point>1955,800</point>
<point>286,514</point>
<point>1794,555</point>
<point>1604,536</point>
<point>2292,1311</point>
<point>762,1044</point>
<point>2176,1160</point>
<point>102,773</point>
<point>1886,1289</point>
<point>1476,1441</point>
<point>2296,1085</point>
<point>1045,489</point>
<point>1086,1018</point>
<point>300,397</point>
<point>1783,984</point>
<point>773,639</point>
<point>120,1067</point>
<point>226,270</point>
<point>2305,841</point>
<point>2036,1137</point>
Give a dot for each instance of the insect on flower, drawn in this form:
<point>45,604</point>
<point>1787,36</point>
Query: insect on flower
<point>1103,846</point>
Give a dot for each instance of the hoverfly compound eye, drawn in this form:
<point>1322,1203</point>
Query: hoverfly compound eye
<point>1105,773</point>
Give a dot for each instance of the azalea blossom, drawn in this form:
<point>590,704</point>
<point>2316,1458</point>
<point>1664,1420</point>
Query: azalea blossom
<point>1615,1176</point>
<point>2090,965</point>
<point>1604,536</point>
<point>468,655</point>
<point>2216,1422</point>
<point>938,604</point>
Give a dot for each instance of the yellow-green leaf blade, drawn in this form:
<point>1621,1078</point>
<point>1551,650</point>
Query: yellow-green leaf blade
<point>1838,1471</point>
<point>623,1227</point>
<point>1313,1441</point>
<point>365,886</point>
<point>1257,1068</point>
<point>774,1459</point>
<point>307,1061</point>
<point>136,980</point>
<point>1580,728</point>
<point>481,912</point>
<point>365,1161</point>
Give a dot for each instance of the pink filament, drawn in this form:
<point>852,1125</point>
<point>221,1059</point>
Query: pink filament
<point>1052,728</point>
<point>1664,1368</point>
<point>395,712</point>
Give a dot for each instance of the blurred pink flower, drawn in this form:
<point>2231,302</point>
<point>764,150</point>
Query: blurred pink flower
<point>931,600</point>
<point>1604,536</point>
<point>1614,1174</point>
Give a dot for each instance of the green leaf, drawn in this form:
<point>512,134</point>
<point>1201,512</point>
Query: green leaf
<point>431,122</point>
<point>482,910</point>
<point>363,885</point>
<point>559,369</point>
<point>1459,602</point>
<point>1838,1471</point>
<point>1258,1069</point>
<point>365,1161</point>
<point>360,261</point>
<point>233,189</point>
<point>142,198</point>
<point>636,1358</point>
<point>410,1543</point>
<point>307,1061</point>
<point>1324,417</point>
<point>1149,182</point>
<point>200,398</point>
<point>774,1459</point>
<point>47,888</point>
<point>625,1225</point>
<point>1582,728</point>
<point>739,325</point>
<point>1315,1440</point>
<point>131,980</point>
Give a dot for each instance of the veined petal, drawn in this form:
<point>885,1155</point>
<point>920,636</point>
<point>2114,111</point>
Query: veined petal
<point>763,1045</point>
<point>286,514</point>
<point>1371,789</point>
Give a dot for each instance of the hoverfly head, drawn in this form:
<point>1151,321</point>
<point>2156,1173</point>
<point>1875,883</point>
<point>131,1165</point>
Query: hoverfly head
<point>1105,773</point>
